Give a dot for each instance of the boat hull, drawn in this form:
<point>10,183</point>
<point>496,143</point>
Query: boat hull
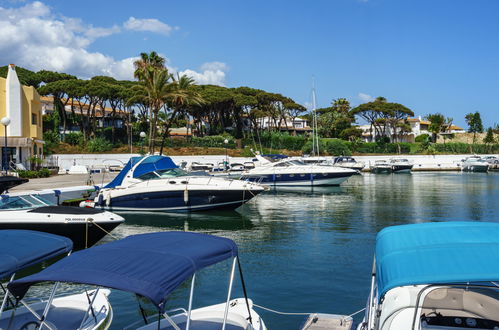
<point>178,201</point>
<point>402,168</point>
<point>83,234</point>
<point>476,168</point>
<point>381,170</point>
<point>316,179</point>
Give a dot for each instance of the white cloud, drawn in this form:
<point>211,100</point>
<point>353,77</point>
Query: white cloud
<point>365,97</point>
<point>212,73</point>
<point>148,24</point>
<point>33,37</point>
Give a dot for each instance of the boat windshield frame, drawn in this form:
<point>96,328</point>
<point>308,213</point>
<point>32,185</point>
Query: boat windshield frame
<point>28,201</point>
<point>163,174</point>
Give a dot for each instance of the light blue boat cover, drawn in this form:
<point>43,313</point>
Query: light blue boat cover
<point>151,265</point>
<point>20,249</point>
<point>151,163</point>
<point>433,253</point>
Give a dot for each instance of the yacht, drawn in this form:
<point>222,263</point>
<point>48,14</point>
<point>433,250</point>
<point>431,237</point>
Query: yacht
<point>381,166</point>
<point>294,172</point>
<point>431,276</point>
<point>156,184</point>
<point>83,226</point>
<point>152,266</point>
<point>22,249</point>
<point>401,165</point>
<point>493,162</point>
<point>348,162</point>
<point>475,164</point>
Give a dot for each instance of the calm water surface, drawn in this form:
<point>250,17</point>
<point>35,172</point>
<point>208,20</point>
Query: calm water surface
<point>309,250</point>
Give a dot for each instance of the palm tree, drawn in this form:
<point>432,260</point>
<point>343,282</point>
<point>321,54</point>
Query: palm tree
<point>181,96</point>
<point>155,92</point>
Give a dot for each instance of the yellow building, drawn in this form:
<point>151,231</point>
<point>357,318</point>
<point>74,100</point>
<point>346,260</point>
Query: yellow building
<point>21,104</point>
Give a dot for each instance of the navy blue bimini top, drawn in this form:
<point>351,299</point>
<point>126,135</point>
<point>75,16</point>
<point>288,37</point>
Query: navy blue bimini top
<point>151,265</point>
<point>20,249</point>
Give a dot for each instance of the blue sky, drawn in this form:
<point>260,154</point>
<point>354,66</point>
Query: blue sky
<point>432,56</point>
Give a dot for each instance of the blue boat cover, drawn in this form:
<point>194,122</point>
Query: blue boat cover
<point>433,253</point>
<point>151,265</point>
<point>20,249</point>
<point>150,163</point>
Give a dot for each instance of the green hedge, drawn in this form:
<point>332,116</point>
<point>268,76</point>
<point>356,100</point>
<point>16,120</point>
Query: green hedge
<point>383,148</point>
<point>214,141</point>
<point>465,148</point>
<point>43,173</point>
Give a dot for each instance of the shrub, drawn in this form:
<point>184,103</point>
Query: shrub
<point>99,145</point>
<point>52,140</point>
<point>277,140</point>
<point>337,147</point>
<point>27,174</point>
<point>307,148</point>
<point>422,138</point>
<point>74,138</point>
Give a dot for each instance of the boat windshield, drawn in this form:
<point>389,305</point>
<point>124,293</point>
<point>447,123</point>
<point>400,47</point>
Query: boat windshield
<point>22,202</point>
<point>163,174</point>
<point>459,306</point>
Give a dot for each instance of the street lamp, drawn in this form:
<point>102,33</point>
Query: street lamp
<point>5,122</point>
<point>226,157</point>
<point>142,136</point>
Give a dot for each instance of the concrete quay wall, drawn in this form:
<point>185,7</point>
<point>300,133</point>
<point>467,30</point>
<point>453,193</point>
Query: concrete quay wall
<point>99,161</point>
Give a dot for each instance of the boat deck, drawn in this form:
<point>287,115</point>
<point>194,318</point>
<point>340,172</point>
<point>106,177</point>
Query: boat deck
<point>320,321</point>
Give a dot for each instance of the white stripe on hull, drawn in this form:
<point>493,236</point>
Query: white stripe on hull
<point>170,209</point>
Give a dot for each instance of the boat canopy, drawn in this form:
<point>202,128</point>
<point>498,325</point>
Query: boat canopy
<point>149,164</point>
<point>437,253</point>
<point>151,265</point>
<point>23,248</point>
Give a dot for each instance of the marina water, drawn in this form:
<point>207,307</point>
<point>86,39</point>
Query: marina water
<point>310,250</point>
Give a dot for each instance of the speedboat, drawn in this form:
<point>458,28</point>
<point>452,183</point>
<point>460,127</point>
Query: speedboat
<point>294,172</point>
<point>348,162</point>
<point>493,162</point>
<point>381,166</point>
<point>83,226</point>
<point>152,266</point>
<point>434,276</point>
<point>22,249</point>
<point>401,165</point>
<point>156,184</point>
<point>9,181</point>
<point>475,164</point>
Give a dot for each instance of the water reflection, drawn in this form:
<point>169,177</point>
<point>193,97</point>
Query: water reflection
<point>312,249</point>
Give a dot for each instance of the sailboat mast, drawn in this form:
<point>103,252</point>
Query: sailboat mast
<point>315,137</point>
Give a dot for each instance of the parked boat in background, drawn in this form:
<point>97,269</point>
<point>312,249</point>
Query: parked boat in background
<point>156,184</point>
<point>24,248</point>
<point>348,162</point>
<point>381,167</point>
<point>83,226</point>
<point>474,164</point>
<point>142,264</point>
<point>439,275</point>
<point>493,162</point>
<point>401,165</point>
<point>294,172</point>
<point>9,181</point>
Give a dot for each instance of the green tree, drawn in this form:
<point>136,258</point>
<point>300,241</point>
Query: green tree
<point>489,138</point>
<point>474,122</point>
<point>437,125</point>
<point>334,120</point>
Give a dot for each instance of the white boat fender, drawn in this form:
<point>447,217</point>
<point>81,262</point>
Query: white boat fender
<point>186,196</point>
<point>108,199</point>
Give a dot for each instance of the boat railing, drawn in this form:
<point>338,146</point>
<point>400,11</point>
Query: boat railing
<point>152,318</point>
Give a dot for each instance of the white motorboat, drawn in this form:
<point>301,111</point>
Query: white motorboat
<point>493,162</point>
<point>381,166</point>
<point>294,172</point>
<point>156,184</point>
<point>475,164</point>
<point>152,266</point>
<point>433,276</point>
<point>401,165</point>
<point>348,162</point>
<point>83,226</point>
<point>22,249</point>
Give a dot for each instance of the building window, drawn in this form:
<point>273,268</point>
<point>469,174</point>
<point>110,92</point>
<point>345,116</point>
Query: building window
<point>33,119</point>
